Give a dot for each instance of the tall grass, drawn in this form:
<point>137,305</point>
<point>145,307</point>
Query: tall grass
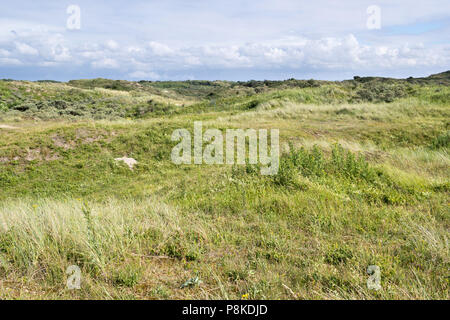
<point>40,239</point>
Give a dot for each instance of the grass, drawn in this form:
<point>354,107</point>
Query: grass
<point>361,182</point>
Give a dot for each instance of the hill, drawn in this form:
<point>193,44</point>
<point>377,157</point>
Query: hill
<point>363,180</point>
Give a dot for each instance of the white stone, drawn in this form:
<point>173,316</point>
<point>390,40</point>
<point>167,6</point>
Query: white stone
<point>130,162</point>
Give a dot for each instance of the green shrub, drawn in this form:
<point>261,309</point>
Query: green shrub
<point>128,276</point>
<point>344,163</point>
<point>441,141</point>
<point>380,92</point>
<point>286,175</point>
<point>338,254</point>
<point>3,106</point>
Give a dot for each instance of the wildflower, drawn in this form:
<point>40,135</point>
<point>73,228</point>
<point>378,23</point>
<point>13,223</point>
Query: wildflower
<point>245,296</point>
<point>35,205</point>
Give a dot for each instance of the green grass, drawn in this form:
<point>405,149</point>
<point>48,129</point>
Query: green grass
<point>363,180</point>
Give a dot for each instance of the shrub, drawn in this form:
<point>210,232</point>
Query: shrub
<point>3,106</point>
<point>344,163</point>
<point>380,92</point>
<point>252,104</point>
<point>441,141</point>
<point>128,276</point>
<point>313,163</point>
<point>310,163</point>
<point>338,254</point>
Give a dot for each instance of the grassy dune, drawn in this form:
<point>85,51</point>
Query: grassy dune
<point>363,180</point>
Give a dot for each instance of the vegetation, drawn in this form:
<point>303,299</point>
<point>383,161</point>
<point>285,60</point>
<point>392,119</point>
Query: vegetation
<point>363,180</point>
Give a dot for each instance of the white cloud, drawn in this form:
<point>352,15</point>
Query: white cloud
<point>135,50</point>
<point>275,54</point>
<point>160,49</point>
<point>106,63</point>
<point>192,61</point>
<point>295,53</point>
<point>112,45</point>
<point>48,64</point>
<point>10,62</point>
<point>4,53</point>
<point>26,49</point>
<point>142,75</point>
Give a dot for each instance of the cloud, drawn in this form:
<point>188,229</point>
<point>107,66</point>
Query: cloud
<point>26,49</point>
<point>10,62</point>
<point>172,40</point>
<point>4,53</point>
<point>295,53</point>
<point>106,63</point>
<point>160,49</point>
<point>142,75</point>
<point>112,45</point>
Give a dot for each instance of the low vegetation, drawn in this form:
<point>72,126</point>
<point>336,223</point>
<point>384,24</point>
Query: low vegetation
<point>363,180</point>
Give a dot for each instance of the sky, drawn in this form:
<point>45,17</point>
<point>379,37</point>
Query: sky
<point>223,40</point>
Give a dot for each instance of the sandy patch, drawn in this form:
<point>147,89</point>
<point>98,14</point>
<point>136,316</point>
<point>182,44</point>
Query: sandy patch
<point>88,137</point>
<point>61,143</point>
<point>5,126</point>
<point>37,154</point>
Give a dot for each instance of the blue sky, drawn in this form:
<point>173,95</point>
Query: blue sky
<point>231,40</point>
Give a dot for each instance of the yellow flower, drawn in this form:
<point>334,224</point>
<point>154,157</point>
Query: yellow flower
<point>35,205</point>
<point>245,296</point>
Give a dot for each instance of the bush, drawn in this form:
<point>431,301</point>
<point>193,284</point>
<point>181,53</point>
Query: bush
<point>345,164</point>
<point>441,141</point>
<point>151,108</point>
<point>3,106</point>
<point>128,276</point>
<point>313,163</point>
<point>380,92</point>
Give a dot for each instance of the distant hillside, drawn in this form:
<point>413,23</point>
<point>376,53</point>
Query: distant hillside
<point>204,87</point>
<point>443,76</point>
<point>107,99</point>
